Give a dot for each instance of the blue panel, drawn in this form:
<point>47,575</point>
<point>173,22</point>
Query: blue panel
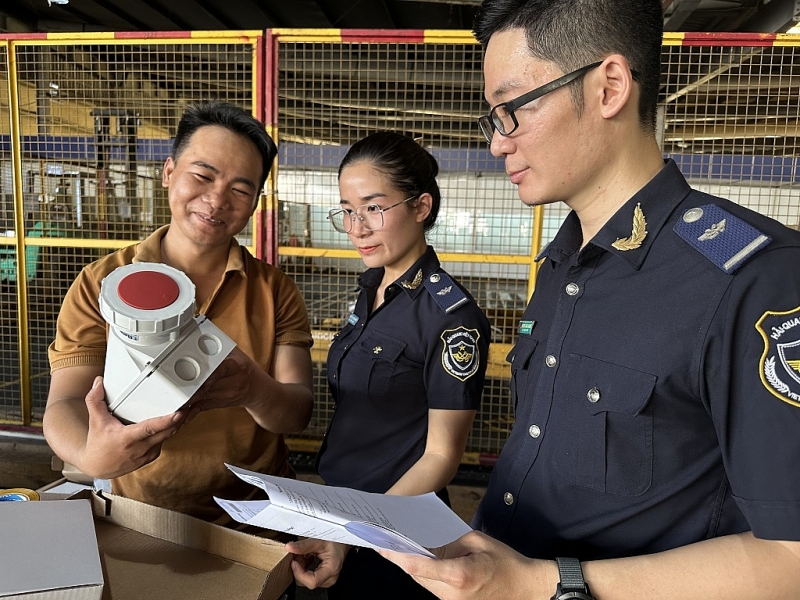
<point>723,168</point>
<point>296,155</point>
<point>84,149</point>
<point>739,169</point>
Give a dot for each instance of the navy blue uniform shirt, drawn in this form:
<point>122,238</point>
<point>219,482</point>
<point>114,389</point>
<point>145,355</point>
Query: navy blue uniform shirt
<point>656,384</point>
<point>424,348</point>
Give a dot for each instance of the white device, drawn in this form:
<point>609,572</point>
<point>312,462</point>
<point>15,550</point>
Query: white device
<point>159,353</point>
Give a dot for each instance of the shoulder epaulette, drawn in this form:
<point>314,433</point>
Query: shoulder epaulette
<point>444,291</point>
<point>724,239</point>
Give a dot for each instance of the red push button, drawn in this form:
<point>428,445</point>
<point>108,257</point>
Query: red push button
<point>148,290</point>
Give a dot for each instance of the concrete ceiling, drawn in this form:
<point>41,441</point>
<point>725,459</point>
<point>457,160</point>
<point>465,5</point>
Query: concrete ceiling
<point>170,15</point>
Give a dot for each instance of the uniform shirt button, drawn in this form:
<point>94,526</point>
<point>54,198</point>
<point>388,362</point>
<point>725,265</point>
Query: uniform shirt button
<point>572,289</point>
<point>534,431</point>
<point>550,360</point>
<point>593,395</point>
<point>508,498</point>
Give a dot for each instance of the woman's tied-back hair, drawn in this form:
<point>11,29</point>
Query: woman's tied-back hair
<point>230,117</point>
<point>576,33</point>
<point>409,168</point>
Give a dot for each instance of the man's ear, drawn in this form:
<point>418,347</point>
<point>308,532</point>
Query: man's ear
<point>166,173</point>
<point>259,191</point>
<point>422,207</point>
<point>616,82</point>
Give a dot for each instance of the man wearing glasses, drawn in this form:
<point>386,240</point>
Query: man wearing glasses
<point>656,377</point>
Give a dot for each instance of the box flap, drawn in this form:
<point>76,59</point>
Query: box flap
<point>48,546</point>
<point>150,552</point>
<point>63,489</point>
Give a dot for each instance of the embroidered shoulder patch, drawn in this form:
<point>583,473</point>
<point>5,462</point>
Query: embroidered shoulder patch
<point>446,293</point>
<point>722,238</point>
<point>780,362</point>
<point>460,356</point>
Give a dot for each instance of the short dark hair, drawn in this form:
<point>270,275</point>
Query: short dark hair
<point>408,166</point>
<point>230,117</point>
<point>575,33</point>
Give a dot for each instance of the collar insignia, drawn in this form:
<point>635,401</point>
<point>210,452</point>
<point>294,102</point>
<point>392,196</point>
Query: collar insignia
<point>780,362</point>
<point>412,285</point>
<point>713,231</point>
<point>637,235</point>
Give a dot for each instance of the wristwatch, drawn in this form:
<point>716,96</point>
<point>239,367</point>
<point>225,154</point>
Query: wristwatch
<point>572,586</point>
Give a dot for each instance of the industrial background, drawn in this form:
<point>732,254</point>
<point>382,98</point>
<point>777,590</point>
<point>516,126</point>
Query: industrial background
<point>85,127</point>
<point>765,16</point>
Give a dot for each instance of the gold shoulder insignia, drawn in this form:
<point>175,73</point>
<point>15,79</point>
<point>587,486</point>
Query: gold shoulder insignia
<point>637,235</point>
<point>412,285</point>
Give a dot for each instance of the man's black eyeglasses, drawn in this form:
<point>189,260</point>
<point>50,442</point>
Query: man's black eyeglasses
<point>502,118</point>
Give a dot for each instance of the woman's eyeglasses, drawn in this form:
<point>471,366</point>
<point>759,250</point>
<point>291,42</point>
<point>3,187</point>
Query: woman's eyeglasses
<point>370,215</point>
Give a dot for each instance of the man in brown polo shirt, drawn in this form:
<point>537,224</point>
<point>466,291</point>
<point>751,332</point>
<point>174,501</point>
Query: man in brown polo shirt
<point>220,160</point>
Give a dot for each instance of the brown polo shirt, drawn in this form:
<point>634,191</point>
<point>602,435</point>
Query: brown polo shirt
<point>255,304</point>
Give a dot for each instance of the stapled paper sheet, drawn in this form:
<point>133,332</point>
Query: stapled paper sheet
<point>409,524</point>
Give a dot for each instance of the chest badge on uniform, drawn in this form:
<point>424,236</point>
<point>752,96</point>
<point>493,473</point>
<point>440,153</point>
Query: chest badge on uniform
<point>460,356</point>
<point>780,362</point>
<point>638,233</point>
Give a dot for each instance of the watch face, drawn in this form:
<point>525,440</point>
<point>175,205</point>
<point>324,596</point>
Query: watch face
<point>560,595</point>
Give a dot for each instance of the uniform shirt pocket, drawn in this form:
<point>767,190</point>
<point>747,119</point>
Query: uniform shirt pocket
<point>607,438</point>
<point>519,358</point>
<point>380,353</point>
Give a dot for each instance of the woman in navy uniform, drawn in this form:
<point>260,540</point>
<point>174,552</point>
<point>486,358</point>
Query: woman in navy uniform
<point>407,370</point>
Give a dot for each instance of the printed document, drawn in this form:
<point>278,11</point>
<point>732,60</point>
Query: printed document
<point>409,524</point>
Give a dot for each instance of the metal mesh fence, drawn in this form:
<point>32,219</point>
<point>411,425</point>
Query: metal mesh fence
<point>730,121</point>
<point>94,118</point>
<point>332,94</point>
<point>727,116</point>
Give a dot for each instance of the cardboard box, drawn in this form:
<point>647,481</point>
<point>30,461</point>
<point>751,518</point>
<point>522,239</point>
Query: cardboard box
<point>48,550</point>
<point>155,554</point>
<point>64,489</point>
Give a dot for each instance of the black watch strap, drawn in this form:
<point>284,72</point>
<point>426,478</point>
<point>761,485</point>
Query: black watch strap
<point>572,583</point>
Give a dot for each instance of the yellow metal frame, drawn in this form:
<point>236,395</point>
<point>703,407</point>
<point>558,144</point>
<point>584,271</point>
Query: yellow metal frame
<point>21,242</point>
<point>430,37</point>
<point>19,220</point>
<point>247,37</point>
